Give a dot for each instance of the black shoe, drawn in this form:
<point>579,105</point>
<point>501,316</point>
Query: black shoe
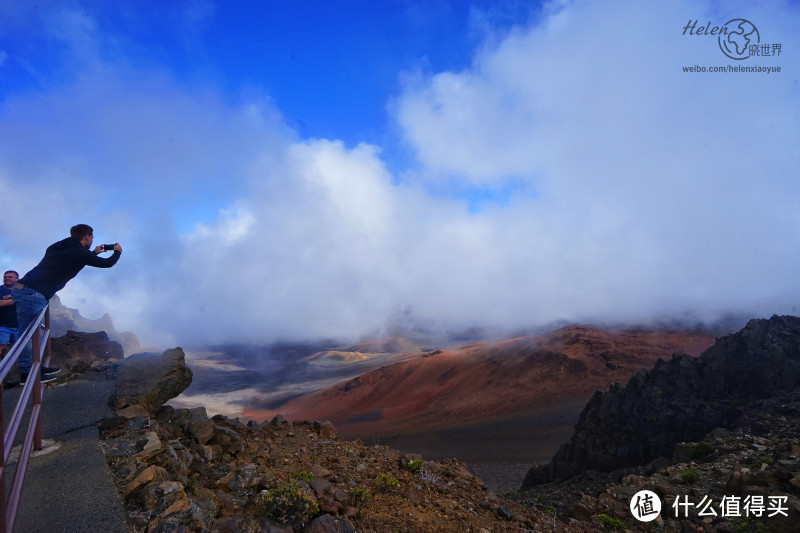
<point>46,378</point>
<point>51,369</point>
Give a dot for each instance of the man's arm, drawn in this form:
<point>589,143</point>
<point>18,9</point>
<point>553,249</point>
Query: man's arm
<point>92,259</point>
<point>6,301</point>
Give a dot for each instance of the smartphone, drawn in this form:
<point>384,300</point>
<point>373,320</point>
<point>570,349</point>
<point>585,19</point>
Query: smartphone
<point>107,247</point>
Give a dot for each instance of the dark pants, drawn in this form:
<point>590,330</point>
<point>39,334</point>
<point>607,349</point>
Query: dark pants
<point>29,303</point>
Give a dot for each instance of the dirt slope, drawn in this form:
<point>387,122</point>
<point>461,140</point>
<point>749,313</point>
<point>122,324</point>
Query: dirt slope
<point>486,380</point>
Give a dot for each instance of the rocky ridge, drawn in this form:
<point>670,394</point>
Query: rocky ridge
<point>680,400</point>
<point>291,477</point>
<point>759,461</point>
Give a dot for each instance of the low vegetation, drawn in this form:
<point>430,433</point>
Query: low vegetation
<point>386,483</point>
<point>289,504</point>
<point>611,523</point>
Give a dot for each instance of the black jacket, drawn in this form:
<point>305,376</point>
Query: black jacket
<point>61,262</point>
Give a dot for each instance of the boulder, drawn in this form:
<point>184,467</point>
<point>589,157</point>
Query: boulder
<point>78,351</point>
<point>198,425</point>
<point>150,379</point>
<point>326,430</point>
<point>327,524</point>
<point>277,421</point>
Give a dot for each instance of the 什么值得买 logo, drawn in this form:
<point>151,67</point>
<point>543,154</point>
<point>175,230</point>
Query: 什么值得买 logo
<point>738,38</point>
<point>645,506</point>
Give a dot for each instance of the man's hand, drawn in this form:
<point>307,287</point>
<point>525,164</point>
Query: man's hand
<point>100,249</point>
<point>7,297</point>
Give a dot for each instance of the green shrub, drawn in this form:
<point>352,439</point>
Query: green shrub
<point>700,450</point>
<point>690,475</point>
<point>302,476</point>
<point>386,483</point>
<point>609,522</point>
<point>758,461</point>
<point>748,525</point>
<point>288,504</point>
<point>360,496</point>
<point>416,465</point>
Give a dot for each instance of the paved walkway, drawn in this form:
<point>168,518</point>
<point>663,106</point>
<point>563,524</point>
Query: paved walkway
<point>69,488</point>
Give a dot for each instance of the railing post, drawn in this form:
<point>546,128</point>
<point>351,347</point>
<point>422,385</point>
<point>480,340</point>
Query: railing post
<point>36,332</point>
<point>36,376</point>
<point>2,456</point>
<point>47,353</point>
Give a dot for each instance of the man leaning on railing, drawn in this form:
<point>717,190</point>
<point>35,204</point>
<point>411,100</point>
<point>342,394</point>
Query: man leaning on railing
<point>61,262</point>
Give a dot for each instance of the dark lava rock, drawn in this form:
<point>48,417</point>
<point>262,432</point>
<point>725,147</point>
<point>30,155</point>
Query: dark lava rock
<point>680,400</point>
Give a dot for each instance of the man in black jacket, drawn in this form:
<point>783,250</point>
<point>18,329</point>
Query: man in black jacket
<point>61,262</point>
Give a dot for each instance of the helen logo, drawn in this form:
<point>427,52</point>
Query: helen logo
<point>735,37</point>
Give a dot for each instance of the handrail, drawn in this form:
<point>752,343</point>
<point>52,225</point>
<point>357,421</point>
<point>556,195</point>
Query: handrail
<point>38,332</point>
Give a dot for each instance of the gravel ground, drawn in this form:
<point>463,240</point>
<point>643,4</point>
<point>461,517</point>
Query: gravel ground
<point>500,477</point>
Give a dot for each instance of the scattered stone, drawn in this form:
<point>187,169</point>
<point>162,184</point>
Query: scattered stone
<point>173,483</point>
<point>148,475</point>
<point>151,445</point>
<point>132,411</point>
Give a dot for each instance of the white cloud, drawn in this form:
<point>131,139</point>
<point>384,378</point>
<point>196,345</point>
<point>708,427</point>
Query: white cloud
<point>656,191</point>
<point>676,188</point>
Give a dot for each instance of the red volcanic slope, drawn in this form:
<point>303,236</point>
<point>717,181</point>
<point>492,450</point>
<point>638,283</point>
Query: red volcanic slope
<point>484,380</point>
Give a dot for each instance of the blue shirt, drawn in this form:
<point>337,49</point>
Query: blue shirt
<point>8,314</point>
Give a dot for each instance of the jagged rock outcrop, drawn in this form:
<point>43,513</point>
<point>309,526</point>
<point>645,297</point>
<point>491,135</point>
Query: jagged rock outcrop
<point>150,379</point>
<point>64,319</point>
<point>680,400</point>
<point>734,466</point>
<point>77,351</point>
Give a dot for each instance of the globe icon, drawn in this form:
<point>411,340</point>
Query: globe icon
<point>737,37</point>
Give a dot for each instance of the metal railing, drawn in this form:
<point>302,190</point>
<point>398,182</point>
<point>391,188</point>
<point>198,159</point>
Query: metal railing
<point>38,332</point>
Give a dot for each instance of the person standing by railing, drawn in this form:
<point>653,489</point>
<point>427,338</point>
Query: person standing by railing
<point>9,328</point>
<point>61,262</point>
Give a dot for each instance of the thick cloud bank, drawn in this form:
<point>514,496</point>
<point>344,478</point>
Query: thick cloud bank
<point>631,190</point>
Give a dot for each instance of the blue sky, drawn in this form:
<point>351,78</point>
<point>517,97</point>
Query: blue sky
<point>328,168</point>
<point>330,67</point>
